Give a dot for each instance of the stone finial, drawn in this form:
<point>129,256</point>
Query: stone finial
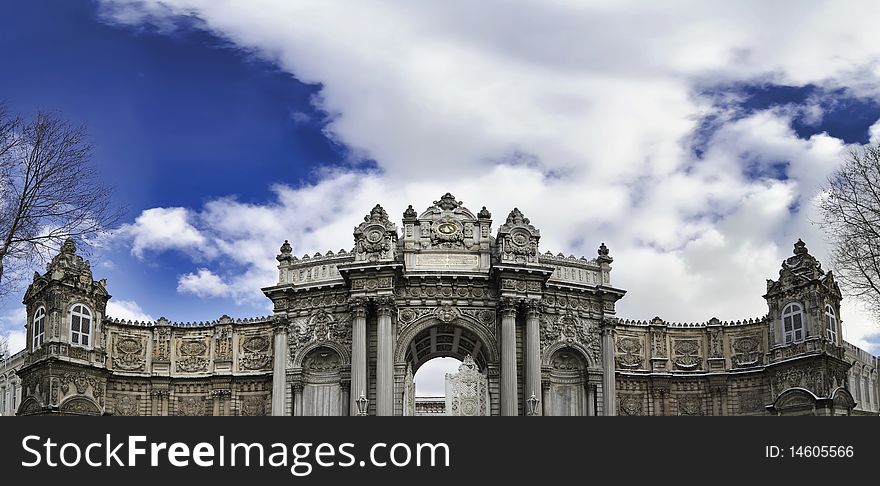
<point>410,213</point>
<point>484,214</point>
<point>604,254</point>
<point>800,248</point>
<point>447,202</point>
<point>516,217</point>
<point>286,252</point>
<point>377,214</point>
<point>68,247</point>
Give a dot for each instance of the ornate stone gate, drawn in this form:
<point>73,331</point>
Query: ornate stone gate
<point>445,286</point>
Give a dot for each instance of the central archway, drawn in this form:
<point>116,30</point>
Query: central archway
<point>432,338</point>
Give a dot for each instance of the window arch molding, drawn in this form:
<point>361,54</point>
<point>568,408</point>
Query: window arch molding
<point>831,324</point>
<point>82,324</point>
<point>793,328</point>
<point>38,327</point>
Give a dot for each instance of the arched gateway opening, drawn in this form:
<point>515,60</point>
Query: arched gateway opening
<point>457,359</point>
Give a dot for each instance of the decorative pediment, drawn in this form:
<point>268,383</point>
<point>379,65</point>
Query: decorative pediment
<point>376,238</point>
<point>444,225</point>
<point>797,270</point>
<point>518,239</point>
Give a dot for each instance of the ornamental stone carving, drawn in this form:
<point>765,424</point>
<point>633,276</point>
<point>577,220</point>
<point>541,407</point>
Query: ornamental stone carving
<point>658,343</point>
<point>192,355</point>
<point>254,405</point>
<point>223,342</point>
<point>126,405</point>
<point>376,238</point>
<point>255,352</point>
<point>687,354</point>
<point>629,352</point>
<point>161,343</point>
<point>129,353</point>
<point>690,405</point>
<point>746,351</point>
<point>518,239</point>
<point>191,406</point>
<point>321,326</point>
<point>750,401</point>
<point>631,404</point>
<point>569,328</point>
<point>446,313</point>
<point>322,361</point>
<point>715,339</point>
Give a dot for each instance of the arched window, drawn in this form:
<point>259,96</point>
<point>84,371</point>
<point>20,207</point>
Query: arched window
<point>80,325</point>
<point>831,323</point>
<point>793,323</point>
<point>39,327</point>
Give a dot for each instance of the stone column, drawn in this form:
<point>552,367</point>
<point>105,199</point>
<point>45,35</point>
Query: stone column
<point>385,360</point>
<point>279,375</point>
<point>298,398</point>
<point>509,404</point>
<point>533,354</point>
<point>358,353</point>
<point>609,388</point>
<point>591,399</point>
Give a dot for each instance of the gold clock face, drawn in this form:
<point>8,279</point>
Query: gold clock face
<point>447,228</point>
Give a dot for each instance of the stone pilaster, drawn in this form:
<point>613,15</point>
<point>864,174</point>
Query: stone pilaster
<point>533,354</point>
<point>385,359</point>
<point>358,352</point>
<point>509,403</point>
<point>298,398</point>
<point>279,376</point>
<point>608,371</point>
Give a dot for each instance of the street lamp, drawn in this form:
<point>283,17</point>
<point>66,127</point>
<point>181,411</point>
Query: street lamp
<point>533,404</point>
<point>362,404</point>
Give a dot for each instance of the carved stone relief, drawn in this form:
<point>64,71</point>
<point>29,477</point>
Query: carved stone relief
<point>629,352</point>
<point>687,354</point>
<point>192,355</point>
<point>129,353</point>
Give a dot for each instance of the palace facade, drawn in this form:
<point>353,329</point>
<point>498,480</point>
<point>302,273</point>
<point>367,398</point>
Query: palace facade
<point>537,333</point>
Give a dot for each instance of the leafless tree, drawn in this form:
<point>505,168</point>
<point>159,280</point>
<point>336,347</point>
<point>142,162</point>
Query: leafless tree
<point>4,347</point>
<point>49,190</point>
<point>851,217</point>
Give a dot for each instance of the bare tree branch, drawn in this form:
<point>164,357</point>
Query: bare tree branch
<point>851,217</point>
<point>49,189</point>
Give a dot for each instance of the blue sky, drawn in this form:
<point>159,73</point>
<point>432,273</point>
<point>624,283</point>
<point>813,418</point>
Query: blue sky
<point>176,119</point>
<point>693,140</point>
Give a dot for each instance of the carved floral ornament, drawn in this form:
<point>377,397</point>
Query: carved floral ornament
<point>192,355</point>
<point>690,405</point>
<point>191,406</point>
<point>129,353</point>
<point>126,405</point>
<point>629,352</point>
<point>631,404</point>
<point>254,405</point>
<point>687,354</point>
<point>321,326</point>
<point>746,351</point>
<point>255,352</point>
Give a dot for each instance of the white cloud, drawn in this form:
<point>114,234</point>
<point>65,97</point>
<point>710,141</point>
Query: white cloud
<point>203,284</point>
<point>162,229</point>
<point>127,310</point>
<point>581,114</point>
